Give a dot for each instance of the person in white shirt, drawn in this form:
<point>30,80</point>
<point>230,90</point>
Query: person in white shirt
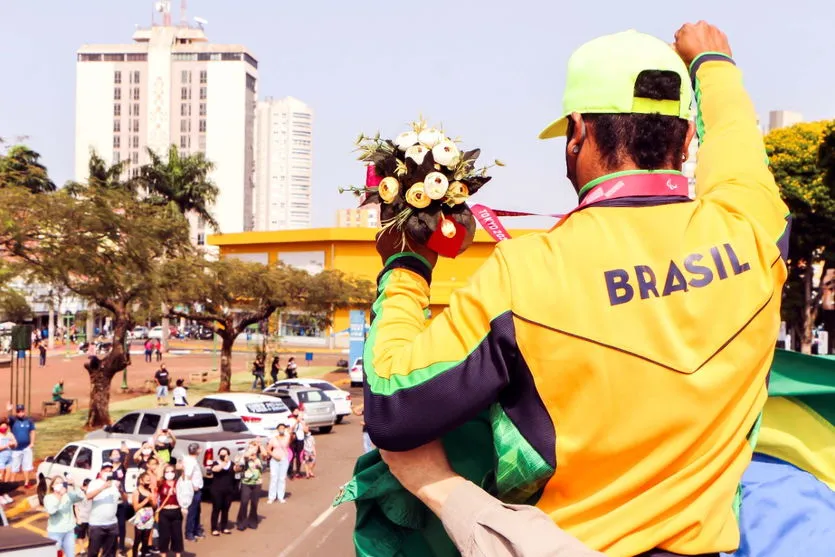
<point>179,394</point>
<point>194,473</point>
<point>105,495</point>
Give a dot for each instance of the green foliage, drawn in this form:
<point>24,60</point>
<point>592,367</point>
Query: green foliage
<point>14,307</point>
<point>802,159</point>
<point>181,182</point>
<point>21,167</point>
<point>102,176</point>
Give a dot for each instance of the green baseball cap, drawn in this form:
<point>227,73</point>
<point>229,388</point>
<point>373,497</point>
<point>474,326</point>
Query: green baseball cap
<point>602,73</point>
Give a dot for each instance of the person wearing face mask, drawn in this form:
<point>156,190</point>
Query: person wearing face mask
<point>144,502</point>
<point>222,490</point>
<point>105,495</point>
<point>250,486</point>
<point>296,443</point>
<point>192,472</point>
<point>124,510</point>
<point>141,457</point>
<point>7,444</point>
<point>164,442</point>
<point>169,515</point>
<point>278,448</point>
<point>58,504</point>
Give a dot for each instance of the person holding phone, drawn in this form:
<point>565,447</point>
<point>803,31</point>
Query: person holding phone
<point>169,514</point>
<point>223,487</point>
<point>105,495</point>
<point>58,504</point>
<point>164,442</point>
<point>144,502</point>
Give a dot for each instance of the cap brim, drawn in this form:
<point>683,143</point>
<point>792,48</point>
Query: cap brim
<point>557,128</point>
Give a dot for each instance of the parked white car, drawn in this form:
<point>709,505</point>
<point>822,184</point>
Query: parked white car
<point>356,373</point>
<point>155,332</point>
<point>81,460</point>
<point>341,399</point>
<point>260,413</point>
<point>139,333</point>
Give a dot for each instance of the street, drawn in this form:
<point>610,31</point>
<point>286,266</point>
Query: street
<point>306,525</point>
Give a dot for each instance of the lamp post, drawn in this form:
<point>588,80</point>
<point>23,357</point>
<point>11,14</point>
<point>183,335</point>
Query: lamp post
<point>67,320</point>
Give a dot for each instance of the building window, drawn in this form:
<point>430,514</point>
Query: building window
<point>117,109</point>
<point>89,57</point>
<point>185,126</point>
<point>136,142</point>
<point>117,126</point>
<point>201,238</point>
<point>202,128</point>
<point>117,77</point>
<point>136,126</point>
<point>182,142</point>
<point>250,82</point>
<point>185,76</point>
<point>202,109</point>
<point>136,109</point>
<point>136,76</point>
<point>117,142</point>
<point>137,57</point>
<point>202,93</point>
<point>184,93</point>
<point>117,93</point>
<point>230,56</point>
<point>250,60</point>
<point>204,76</point>
<point>134,157</point>
<point>117,157</point>
<point>136,93</point>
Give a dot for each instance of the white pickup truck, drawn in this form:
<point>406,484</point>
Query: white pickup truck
<point>211,430</point>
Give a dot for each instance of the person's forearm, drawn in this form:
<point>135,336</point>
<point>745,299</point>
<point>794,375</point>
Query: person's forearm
<point>482,526</point>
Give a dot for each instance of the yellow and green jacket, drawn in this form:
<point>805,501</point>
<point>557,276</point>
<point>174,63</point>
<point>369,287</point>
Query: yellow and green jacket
<point>622,356</point>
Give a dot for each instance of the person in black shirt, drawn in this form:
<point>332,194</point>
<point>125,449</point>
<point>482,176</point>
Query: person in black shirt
<point>222,490</point>
<point>118,458</point>
<point>275,368</point>
<point>163,378</point>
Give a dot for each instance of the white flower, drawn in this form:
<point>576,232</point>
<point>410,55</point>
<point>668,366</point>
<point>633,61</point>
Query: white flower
<point>436,185</point>
<point>406,140</point>
<point>446,153</point>
<point>417,153</point>
<point>430,137</point>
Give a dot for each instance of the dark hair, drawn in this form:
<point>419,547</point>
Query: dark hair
<point>180,382</point>
<point>650,141</point>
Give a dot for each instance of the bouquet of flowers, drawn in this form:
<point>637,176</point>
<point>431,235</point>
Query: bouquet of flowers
<point>422,181</point>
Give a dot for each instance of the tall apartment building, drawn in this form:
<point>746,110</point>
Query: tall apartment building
<point>783,119</point>
<point>171,86</point>
<point>284,164</point>
<point>366,217</point>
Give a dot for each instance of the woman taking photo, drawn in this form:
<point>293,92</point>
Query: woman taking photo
<point>144,502</point>
<point>223,487</point>
<point>169,515</point>
<point>59,503</point>
<point>250,486</point>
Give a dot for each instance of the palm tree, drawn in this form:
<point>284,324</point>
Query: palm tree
<point>102,176</point>
<point>181,182</point>
<point>21,167</point>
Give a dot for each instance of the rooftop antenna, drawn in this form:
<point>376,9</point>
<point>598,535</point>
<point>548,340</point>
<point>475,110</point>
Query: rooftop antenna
<point>183,6</point>
<point>200,22</point>
<point>164,7</point>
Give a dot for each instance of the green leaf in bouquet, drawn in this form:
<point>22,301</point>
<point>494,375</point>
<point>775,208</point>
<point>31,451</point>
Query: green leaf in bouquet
<point>400,169</point>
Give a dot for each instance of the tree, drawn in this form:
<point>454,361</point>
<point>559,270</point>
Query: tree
<point>103,176</point>
<point>228,296</point>
<point>103,245</point>
<point>21,167</point>
<point>14,307</point>
<point>181,182</point>
<point>802,159</point>
<point>331,290</point>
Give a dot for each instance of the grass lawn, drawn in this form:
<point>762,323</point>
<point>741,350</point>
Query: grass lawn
<point>55,432</point>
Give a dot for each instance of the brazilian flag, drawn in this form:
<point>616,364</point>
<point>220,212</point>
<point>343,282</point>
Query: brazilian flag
<point>788,502</point>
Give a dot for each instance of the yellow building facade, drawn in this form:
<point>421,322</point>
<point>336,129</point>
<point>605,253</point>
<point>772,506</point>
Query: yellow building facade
<point>352,251</point>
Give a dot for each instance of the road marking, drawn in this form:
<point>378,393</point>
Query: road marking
<point>313,525</point>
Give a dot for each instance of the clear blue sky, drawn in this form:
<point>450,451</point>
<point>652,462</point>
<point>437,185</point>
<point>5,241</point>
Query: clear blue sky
<point>491,72</point>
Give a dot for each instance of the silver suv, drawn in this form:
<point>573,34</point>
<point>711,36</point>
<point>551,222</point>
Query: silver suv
<point>319,410</point>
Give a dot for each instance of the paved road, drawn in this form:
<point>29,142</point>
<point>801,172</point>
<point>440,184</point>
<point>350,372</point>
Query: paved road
<point>306,525</point>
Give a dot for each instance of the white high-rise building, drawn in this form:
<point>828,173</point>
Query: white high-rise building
<point>284,164</point>
<point>171,86</point>
<point>783,119</point>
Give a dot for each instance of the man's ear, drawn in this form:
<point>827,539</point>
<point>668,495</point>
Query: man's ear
<point>574,142</point>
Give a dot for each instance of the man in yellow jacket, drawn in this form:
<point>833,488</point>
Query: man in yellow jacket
<point>624,354</point>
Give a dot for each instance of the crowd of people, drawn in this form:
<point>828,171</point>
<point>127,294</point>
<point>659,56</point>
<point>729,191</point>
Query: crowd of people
<point>163,507</point>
